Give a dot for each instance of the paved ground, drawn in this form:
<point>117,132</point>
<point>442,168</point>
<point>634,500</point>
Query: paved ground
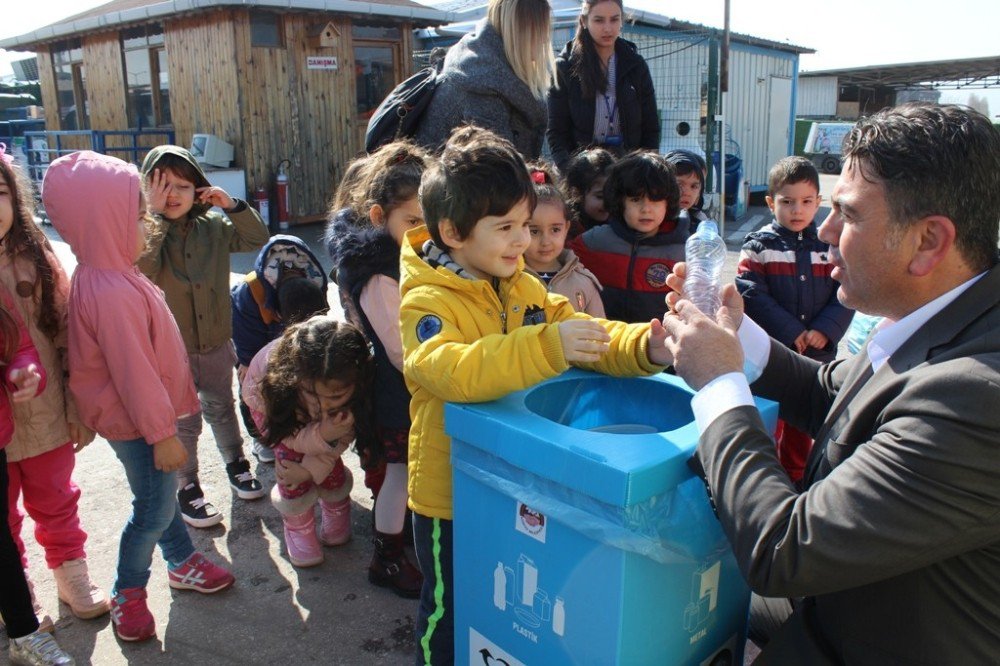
<point>329,614</point>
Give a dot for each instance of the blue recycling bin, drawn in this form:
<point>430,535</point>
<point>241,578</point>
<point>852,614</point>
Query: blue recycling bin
<point>734,174</point>
<point>580,534</point>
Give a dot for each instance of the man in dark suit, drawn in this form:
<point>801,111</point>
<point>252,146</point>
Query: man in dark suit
<point>889,551</point>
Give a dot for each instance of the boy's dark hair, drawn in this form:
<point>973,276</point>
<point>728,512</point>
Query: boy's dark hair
<point>642,173</point>
<point>478,175</point>
<point>299,299</point>
<point>547,184</point>
<point>791,170</point>
<point>935,159</point>
<point>181,168</point>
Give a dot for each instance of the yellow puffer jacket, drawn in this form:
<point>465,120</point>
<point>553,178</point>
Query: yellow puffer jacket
<point>464,341</point>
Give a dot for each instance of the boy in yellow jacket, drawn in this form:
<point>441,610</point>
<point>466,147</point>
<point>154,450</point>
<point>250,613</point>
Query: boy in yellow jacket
<point>476,327</point>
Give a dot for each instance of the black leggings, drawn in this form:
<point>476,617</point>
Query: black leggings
<point>15,599</point>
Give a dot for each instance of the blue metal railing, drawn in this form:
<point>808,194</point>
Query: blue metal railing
<point>41,147</point>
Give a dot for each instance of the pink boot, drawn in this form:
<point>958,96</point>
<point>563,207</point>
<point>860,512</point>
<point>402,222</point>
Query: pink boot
<point>300,540</point>
<point>335,529</point>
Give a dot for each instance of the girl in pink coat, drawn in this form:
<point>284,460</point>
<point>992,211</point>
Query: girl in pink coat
<point>128,373</point>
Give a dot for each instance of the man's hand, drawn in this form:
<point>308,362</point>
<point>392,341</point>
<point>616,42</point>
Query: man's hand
<point>583,340</point>
<point>169,455</point>
<point>656,349</point>
<point>703,349</point>
<point>25,381</point>
<point>81,435</point>
<point>732,302</point>
<point>215,196</point>
<point>817,340</point>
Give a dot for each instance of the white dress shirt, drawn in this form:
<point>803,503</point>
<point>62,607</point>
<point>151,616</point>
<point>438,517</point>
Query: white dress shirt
<point>732,390</point>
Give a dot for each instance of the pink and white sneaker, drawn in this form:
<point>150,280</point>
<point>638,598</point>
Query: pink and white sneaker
<point>130,615</point>
<point>199,574</point>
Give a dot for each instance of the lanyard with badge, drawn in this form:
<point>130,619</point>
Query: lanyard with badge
<point>612,109</point>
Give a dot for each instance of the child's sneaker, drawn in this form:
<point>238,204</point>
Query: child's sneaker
<point>130,615</point>
<point>335,528</point>
<point>300,540</point>
<point>199,574</point>
<point>262,451</point>
<point>242,481</point>
<point>194,509</point>
<point>38,649</point>
<point>75,589</point>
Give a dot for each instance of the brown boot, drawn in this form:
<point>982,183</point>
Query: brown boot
<point>391,568</point>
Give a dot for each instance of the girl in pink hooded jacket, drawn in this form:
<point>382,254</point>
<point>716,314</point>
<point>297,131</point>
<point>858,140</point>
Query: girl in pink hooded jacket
<point>128,373</point>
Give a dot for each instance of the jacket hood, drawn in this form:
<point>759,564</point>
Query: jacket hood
<point>281,253</point>
<point>93,202</point>
<point>157,153</point>
<point>352,247</point>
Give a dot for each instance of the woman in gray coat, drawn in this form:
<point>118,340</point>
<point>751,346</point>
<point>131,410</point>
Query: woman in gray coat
<point>497,77</point>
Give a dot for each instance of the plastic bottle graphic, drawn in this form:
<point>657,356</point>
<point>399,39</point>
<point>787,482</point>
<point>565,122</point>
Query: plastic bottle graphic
<point>705,253</point>
<point>559,617</point>
<point>510,583</point>
<point>500,587</point>
<point>529,579</point>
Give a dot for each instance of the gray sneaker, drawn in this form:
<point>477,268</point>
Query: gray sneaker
<point>38,649</point>
<point>262,451</point>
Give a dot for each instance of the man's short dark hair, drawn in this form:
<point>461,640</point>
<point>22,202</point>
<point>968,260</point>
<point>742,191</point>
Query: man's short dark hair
<point>477,175</point>
<point>638,174</point>
<point>791,170</point>
<point>935,159</point>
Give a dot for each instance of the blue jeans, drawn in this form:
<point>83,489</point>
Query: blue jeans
<point>156,516</point>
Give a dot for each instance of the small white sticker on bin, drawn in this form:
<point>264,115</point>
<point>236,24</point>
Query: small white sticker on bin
<point>531,522</point>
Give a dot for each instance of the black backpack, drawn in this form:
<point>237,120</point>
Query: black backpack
<point>398,116</point>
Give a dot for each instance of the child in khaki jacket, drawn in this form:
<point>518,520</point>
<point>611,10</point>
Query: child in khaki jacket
<point>187,256</point>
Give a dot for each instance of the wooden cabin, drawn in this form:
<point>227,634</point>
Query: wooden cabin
<point>292,80</point>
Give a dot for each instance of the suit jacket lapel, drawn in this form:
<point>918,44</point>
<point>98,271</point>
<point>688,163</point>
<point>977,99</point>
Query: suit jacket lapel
<point>940,330</point>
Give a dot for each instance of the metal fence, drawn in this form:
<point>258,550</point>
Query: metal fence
<point>41,147</point>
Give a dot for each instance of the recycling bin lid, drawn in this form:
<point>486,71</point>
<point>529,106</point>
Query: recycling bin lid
<point>619,440</point>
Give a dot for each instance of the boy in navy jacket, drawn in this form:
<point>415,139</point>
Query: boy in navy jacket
<point>784,278</point>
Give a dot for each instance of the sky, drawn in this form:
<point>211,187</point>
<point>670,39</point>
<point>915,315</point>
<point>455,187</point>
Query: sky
<point>847,33</point>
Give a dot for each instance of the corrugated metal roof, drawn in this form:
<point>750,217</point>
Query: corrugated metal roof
<point>939,74</point>
<point>120,12</point>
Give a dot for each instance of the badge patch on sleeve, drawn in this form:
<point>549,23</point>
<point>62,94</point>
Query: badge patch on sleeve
<point>428,327</point>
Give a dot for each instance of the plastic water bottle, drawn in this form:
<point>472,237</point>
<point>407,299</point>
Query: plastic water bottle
<point>705,253</point>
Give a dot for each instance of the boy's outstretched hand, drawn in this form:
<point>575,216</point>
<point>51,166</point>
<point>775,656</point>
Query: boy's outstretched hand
<point>656,348</point>
<point>583,340</point>
<point>25,381</point>
<point>169,455</point>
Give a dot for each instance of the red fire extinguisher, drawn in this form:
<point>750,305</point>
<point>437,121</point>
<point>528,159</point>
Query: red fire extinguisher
<point>262,204</point>
<point>284,206</point>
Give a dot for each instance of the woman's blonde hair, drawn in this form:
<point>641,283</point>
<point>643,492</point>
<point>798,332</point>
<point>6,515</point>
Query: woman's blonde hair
<point>525,26</point>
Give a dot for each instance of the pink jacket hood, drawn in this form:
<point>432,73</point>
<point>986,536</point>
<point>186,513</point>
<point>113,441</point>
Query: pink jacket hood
<point>129,370</point>
<point>93,202</point>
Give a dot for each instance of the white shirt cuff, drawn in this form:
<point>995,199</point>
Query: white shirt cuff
<point>756,345</point>
<point>719,396</point>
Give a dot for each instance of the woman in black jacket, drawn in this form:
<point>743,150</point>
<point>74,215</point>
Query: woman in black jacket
<point>603,94</point>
